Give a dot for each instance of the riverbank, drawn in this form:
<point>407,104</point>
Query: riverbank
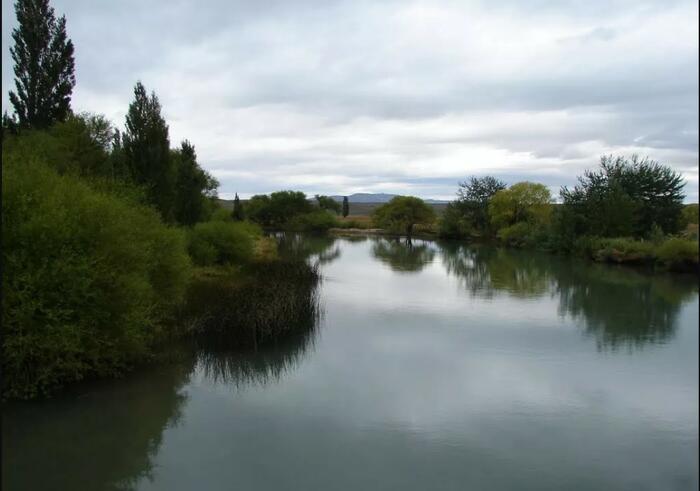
<point>672,254</point>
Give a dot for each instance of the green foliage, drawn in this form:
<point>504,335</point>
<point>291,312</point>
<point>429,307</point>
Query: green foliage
<point>689,215</point>
<point>43,64</point>
<point>316,221</point>
<point>473,200</point>
<point>454,223</point>
<point>677,253</point>
<point>224,310</point>
<point>237,214</point>
<point>146,151</point>
<point>624,250</point>
<point>194,187</point>
<point>277,209</point>
<point>522,202</point>
<point>402,213</point>
<point>222,243</point>
<point>89,277</point>
<point>79,146</point>
<point>346,206</point>
<point>626,196</point>
<point>327,203</point>
<point>516,235</point>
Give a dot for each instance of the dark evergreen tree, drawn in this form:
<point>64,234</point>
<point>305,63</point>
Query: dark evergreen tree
<point>237,213</point>
<point>146,149</point>
<point>43,64</point>
<point>193,186</point>
<point>346,206</point>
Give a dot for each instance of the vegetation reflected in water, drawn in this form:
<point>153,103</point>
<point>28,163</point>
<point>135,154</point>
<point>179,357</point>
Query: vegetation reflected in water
<point>618,306</point>
<point>403,255</point>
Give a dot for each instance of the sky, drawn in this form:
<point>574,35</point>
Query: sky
<point>405,97</point>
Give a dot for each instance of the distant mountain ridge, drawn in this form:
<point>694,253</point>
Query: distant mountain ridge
<point>377,198</point>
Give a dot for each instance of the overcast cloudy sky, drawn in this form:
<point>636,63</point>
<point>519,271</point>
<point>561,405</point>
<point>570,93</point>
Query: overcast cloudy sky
<point>403,97</point>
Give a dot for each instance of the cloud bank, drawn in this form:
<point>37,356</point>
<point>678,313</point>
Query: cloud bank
<point>337,97</point>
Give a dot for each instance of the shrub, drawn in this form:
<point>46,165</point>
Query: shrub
<point>624,250</point>
<point>316,221</point>
<point>678,253</point>
<point>89,279</point>
<point>222,242</point>
<point>454,223</point>
<point>517,235</point>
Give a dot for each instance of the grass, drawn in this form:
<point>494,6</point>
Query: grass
<point>251,306</point>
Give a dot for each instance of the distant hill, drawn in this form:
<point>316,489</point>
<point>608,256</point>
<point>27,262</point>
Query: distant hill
<point>378,198</point>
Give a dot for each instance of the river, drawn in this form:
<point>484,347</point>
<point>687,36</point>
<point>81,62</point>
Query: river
<point>432,366</point>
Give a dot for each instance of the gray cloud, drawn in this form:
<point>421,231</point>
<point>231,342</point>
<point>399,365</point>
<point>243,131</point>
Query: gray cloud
<point>342,96</point>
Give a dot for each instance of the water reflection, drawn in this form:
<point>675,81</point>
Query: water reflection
<point>485,271</point>
<point>317,249</point>
<point>62,443</point>
<point>617,306</point>
<point>403,255</point>
<point>622,307</point>
<point>240,368</point>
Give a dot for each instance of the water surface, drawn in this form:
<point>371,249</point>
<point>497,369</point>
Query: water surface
<point>433,366</point>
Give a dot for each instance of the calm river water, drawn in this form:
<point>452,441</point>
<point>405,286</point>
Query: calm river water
<point>432,367</point>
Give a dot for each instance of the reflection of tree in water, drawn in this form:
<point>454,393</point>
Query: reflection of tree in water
<point>269,364</point>
<point>317,249</point>
<point>622,307</point>
<point>104,439</point>
<point>403,255</point>
<point>619,306</point>
<point>485,271</point>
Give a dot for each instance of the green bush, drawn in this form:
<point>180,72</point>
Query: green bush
<point>89,279</point>
<point>316,221</point>
<point>454,223</point>
<point>222,242</point>
<point>516,235</point>
<point>624,250</point>
<point>678,253</point>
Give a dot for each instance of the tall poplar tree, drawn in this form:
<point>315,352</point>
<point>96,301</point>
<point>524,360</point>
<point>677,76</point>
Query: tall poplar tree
<point>43,64</point>
<point>146,147</point>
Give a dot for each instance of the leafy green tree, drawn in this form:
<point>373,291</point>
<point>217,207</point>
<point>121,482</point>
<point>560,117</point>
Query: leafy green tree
<point>277,209</point>
<point>473,200</point>
<point>237,213</point>
<point>454,223</point>
<point>193,187</point>
<point>641,191</point>
<point>328,203</point>
<point>79,145</point>
<point>402,213</point>
<point>43,64</point>
<point>146,148</point>
<point>346,206</point>
<point>522,202</point>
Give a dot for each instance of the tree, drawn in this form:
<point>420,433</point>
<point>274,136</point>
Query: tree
<point>402,213</point>
<point>473,199</point>
<point>522,202</point>
<point>237,213</point>
<point>147,151</point>
<point>346,206</point>
<point>328,203</point>
<point>278,209</point>
<point>640,191</point>
<point>43,64</point>
<point>193,186</point>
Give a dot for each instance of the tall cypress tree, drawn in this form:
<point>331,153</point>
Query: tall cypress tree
<point>44,65</point>
<point>146,147</point>
<point>237,213</point>
<point>346,206</point>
